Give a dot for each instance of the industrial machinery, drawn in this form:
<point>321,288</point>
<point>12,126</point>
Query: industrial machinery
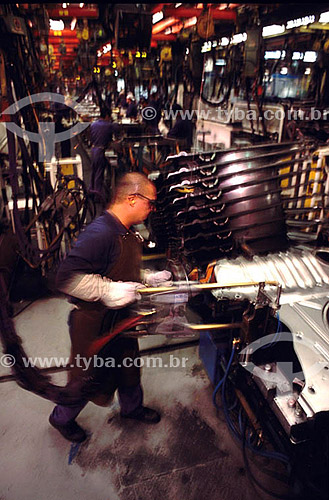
<point>253,221</point>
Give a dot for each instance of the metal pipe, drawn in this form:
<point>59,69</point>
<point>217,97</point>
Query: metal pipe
<point>201,286</point>
<point>215,326</point>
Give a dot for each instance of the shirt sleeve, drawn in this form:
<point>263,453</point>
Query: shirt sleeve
<point>94,253</point>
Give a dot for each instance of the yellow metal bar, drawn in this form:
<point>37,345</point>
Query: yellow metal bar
<point>214,326</point>
<point>203,286</point>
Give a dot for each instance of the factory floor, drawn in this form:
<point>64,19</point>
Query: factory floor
<point>189,455</point>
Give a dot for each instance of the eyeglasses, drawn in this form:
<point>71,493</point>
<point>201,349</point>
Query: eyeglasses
<point>152,203</point>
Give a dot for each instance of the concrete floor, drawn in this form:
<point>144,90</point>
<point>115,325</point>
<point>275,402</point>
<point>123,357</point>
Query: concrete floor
<point>189,455</point>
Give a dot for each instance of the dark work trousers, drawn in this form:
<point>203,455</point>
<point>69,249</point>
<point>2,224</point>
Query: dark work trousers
<point>130,398</point>
<point>91,320</point>
<point>98,166</point>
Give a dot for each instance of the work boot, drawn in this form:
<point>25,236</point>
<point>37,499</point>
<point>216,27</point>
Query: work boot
<point>71,431</point>
<point>144,414</point>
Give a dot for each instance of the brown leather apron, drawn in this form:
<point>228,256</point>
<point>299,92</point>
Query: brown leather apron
<point>93,319</point>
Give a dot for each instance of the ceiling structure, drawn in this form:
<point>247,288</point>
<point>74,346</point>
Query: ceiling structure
<point>96,23</point>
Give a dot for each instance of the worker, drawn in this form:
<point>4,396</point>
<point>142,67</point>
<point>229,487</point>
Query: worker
<point>121,101</point>
<point>183,128</point>
<point>102,274</point>
<point>132,109</point>
<point>101,134</point>
<point>152,119</point>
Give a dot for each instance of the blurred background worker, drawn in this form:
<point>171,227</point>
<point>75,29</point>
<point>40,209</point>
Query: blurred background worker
<point>101,133</point>
<point>132,109</point>
<point>183,128</point>
<point>152,119</point>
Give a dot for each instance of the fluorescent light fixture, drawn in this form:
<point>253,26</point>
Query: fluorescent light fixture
<point>297,56</point>
<point>190,22</point>
<point>284,71</point>
<point>272,54</point>
<point>273,29</point>
<point>157,17</point>
<point>310,56</point>
<point>206,47</point>
<point>209,66</point>
<point>224,41</point>
<point>301,21</point>
<point>324,17</point>
<point>64,5</point>
<point>56,25</point>
<point>240,37</point>
<point>220,62</point>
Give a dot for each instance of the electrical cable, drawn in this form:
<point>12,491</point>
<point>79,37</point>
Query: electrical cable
<point>222,383</point>
<point>251,475</point>
<point>219,384</point>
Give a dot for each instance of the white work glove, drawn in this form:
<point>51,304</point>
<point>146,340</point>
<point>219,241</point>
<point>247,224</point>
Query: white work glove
<point>114,294</point>
<point>158,278</point>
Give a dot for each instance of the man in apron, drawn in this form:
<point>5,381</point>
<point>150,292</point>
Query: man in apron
<point>102,276</point>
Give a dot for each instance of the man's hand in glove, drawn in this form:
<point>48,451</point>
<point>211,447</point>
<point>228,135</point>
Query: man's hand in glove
<point>163,278</point>
<point>93,287</point>
<point>120,294</point>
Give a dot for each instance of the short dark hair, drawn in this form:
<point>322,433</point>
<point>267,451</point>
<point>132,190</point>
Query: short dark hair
<point>130,183</point>
<point>105,112</point>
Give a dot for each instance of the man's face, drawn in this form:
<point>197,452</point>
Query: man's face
<point>143,203</point>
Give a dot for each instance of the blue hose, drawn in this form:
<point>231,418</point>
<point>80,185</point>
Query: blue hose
<point>222,380</point>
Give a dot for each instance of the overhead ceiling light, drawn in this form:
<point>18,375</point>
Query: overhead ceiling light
<point>81,5</point>
<point>273,29</point>
<point>238,38</point>
<point>190,22</point>
<point>224,41</point>
<point>272,54</point>
<point>301,21</point>
<point>284,71</point>
<point>177,28</point>
<point>73,23</point>
<point>56,25</point>
<point>307,71</point>
<point>64,5</point>
<point>178,5</point>
<point>324,17</point>
<point>206,47</point>
<point>164,24</point>
<point>310,56</point>
<point>297,56</point>
<point>157,17</point>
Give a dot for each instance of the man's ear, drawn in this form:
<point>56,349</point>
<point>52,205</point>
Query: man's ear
<point>131,200</point>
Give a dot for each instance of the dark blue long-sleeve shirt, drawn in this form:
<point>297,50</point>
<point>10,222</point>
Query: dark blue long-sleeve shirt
<point>95,251</point>
<point>101,132</point>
